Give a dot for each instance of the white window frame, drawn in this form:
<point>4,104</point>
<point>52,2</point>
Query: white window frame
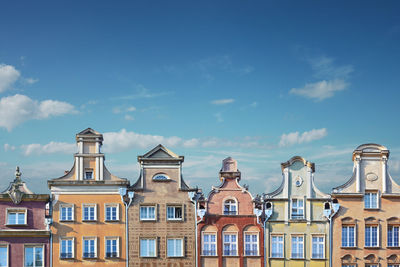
<point>296,244</point>
<point>318,243</point>
<point>147,207</point>
<point>7,252</point>
<point>369,203</point>
<point>251,243</point>
<point>232,205</point>
<point>72,239</point>
<point>155,248</point>
<point>35,246</point>
<point>349,265</point>
<point>371,236</point>
<point>88,170</point>
<point>209,243</point>
<point>347,245</point>
<point>182,248</point>
<point>84,238</point>
<point>298,215</point>
<point>278,243</point>
<point>89,205</point>
<point>230,243</point>
<point>117,247</point>
<point>393,265</point>
<point>72,212</point>
<point>393,235</point>
<point>111,205</point>
<point>17,211</point>
<point>171,206</point>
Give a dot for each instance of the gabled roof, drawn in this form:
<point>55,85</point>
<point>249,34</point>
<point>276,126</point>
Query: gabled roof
<point>298,158</point>
<point>160,153</point>
<point>89,131</point>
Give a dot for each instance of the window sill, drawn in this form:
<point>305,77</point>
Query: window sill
<point>252,256</point>
<point>210,256</point>
<point>174,257</point>
<point>25,224</point>
<point>230,256</point>
<point>90,258</point>
<point>111,221</point>
<point>322,259</point>
<point>174,220</point>
<point>297,258</point>
<point>372,247</point>
<point>89,220</point>
<point>148,257</point>
<point>148,220</point>
<point>372,209</point>
<point>393,247</point>
<point>66,259</point>
<point>349,247</point>
<point>277,258</point>
<point>66,221</point>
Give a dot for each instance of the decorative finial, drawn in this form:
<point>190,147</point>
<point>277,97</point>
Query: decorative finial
<point>17,174</point>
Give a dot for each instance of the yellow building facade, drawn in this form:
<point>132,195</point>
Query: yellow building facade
<point>88,214</point>
<point>297,233</point>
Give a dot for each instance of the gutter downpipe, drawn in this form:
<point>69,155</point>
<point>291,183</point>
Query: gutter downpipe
<point>131,194</point>
<point>336,208</point>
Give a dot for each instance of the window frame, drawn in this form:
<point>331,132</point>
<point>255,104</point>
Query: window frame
<point>84,238</point>
<point>89,205</point>
<point>72,239</point>
<point>393,237</point>
<point>209,243</point>
<point>297,216</point>
<point>17,211</point>
<point>88,170</point>
<point>348,235</point>
<point>72,206</point>
<point>278,242</point>
<point>371,236</point>
<point>297,248</point>
<point>231,202</point>
<point>174,206</point>
<point>148,206</point>
<point>370,200</point>
<point>7,246</point>
<point>318,243</point>
<point>111,205</point>
<point>155,247</point>
<point>182,247</point>
<point>106,238</point>
<point>251,233</point>
<point>230,243</point>
<point>35,245</point>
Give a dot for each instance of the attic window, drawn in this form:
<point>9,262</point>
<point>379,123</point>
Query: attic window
<point>88,174</point>
<point>161,177</point>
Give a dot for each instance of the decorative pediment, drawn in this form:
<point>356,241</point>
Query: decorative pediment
<point>17,188</point>
<point>372,258</point>
<point>160,152</point>
<point>89,131</point>
<point>348,258</point>
<point>393,258</point>
<point>393,220</point>
<point>348,220</point>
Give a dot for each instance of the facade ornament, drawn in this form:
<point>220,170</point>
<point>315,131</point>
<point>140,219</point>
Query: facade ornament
<point>14,192</point>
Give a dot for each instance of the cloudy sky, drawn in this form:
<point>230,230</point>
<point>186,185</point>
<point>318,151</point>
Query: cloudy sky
<point>260,81</point>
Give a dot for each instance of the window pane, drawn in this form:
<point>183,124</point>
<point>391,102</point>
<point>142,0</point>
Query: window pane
<point>3,256</point>
<point>29,256</point>
<point>21,218</point>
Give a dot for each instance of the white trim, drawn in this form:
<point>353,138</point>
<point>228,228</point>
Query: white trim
<point>101,166</point>
<point>216,242</point>
<point>155,247</point>
<point>105,211</point>
<point>95,246</point>
<point>251,233</point>
<point>298,243</point>
<point>230,242</point>
<point>324,243</point>
<point>105,246</point>
<point>17,210</point>
<point>283,244</point>
<point>83,211</point>
<point>73,246</point>
<point>175,206</point>
<point>35,245</point>
<point>161,167</point>
<point>81,169</point>
<point>148,219</point>
<point>60,212</point>
<point>182,248</point>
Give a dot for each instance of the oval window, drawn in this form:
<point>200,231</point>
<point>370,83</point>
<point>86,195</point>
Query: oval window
<point>160,177</point>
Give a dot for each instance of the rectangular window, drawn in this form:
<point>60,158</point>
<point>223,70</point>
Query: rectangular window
<point>393,236</point>
<point>394,265</point>
<point>88,174</point>
<point>112,213</point>
<point>174,213</point>
<point>148,213</point>
<point>371,236</point>
<point>348,265</point>
<point>371,200</point>
<point>209,244</point>
<point>348,236</point>
<point>112,247</point>
<point>277,246</point>
<point>89,212</point>
<point>175,247</point>
<point>230,244</point>
<point>318,247</point>
<point>33,256</point>
<point>371,265</point>
<point>66,212</point>
<point>3,255</point>
<point>67,248</point>
<point>89,247</point>
<point>297,208</point>
<point>297,247</point>
<point>16,216</point>
<point>251,244</point>
<point>148,247</point>
<point>230,207</point>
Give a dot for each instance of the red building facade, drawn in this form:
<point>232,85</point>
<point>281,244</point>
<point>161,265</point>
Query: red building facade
<point>229,234</point>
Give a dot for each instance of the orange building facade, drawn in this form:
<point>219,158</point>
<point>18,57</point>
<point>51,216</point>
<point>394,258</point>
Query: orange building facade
<point>88,213</point>
<point>366,228</point>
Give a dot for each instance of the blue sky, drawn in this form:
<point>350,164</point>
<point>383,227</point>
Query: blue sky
<point>260,81</point>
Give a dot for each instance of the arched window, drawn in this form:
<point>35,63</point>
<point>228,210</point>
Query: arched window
<point>230,207</point>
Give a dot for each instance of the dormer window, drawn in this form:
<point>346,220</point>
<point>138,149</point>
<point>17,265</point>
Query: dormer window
<point>371,200</point>
<point>230,207</point>
<point>297,208</point>
<point>160,177</point>
<point>88,174</point>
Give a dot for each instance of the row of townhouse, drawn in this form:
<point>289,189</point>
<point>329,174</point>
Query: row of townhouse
<point>93,217</point>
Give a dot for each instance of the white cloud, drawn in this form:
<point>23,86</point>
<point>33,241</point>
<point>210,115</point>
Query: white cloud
<point>142,92</point>
<point>8,76</point>
<point>191,142</point>
<point>129,117</point>
<point>17,109</point>
<point>305,137</point>
<point>122,109</point>
<point>218,116</point>
<point>254,104</point>
<point>223,101</point>
<point>320,90</point>
<point>50,148</point>
<point>31,80</point>
<point>8,147</point>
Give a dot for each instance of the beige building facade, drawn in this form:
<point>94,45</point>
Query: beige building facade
<point>366,228</point>
<point>162,216</point>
